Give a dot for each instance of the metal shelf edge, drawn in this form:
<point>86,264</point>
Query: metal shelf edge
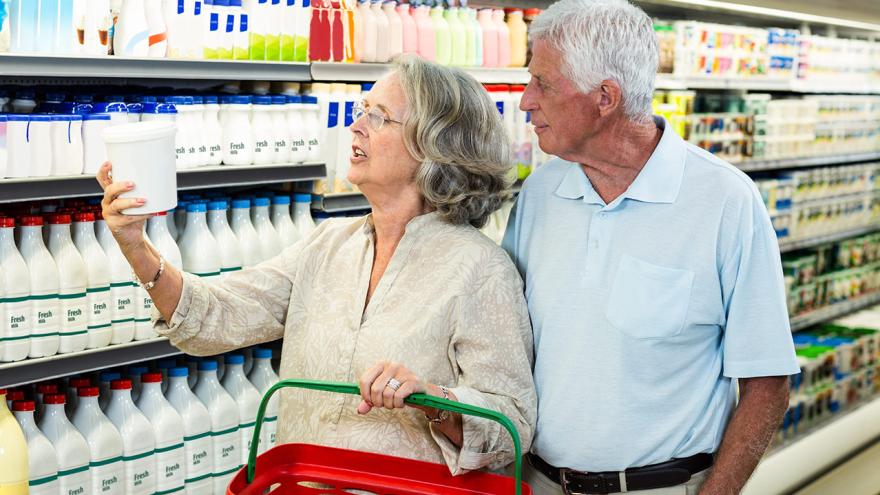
<point>789,246</point>
<point>833,311</point>
<point>765,165</point>
<point>336,71</point>
<point>31,189</point>
<point>59,365</point>
<point>35,65</point>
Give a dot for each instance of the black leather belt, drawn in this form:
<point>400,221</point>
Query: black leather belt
<point>669,473</point>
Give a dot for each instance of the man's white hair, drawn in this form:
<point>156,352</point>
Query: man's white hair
<point>600,40</point>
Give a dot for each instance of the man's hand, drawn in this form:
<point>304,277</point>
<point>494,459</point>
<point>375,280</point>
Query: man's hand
<point>762,404</point>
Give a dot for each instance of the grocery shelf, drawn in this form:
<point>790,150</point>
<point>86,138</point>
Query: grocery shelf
<point>342,202</point>
<point>833,311</point>
<point>811,161</point>
<point>790,467</point>
<point>786,246</point>
<point>335,71</point>
<point>672,82</point>
<point>31,189</point>
<point>59,365</point>
<point>67,66</point>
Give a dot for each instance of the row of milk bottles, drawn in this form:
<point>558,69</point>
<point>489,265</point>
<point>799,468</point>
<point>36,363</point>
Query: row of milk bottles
<point>231,130</point>
<point>174,429</point>
<point>79,292</point>
<point>379,30</point>
<point>219,236</point>
<point>211,29</point>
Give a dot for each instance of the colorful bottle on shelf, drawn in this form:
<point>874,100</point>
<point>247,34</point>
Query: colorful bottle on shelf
<point>257,27</point>
<point>503,38</point>
<point>241,43</point>
<point>274,26</point>
<point>337,31</point>
<point>458,36</point>
<point>288,31</point>
<point>425,31</point>
<point>158,33</point>
<point>349,24</point>
<point>464,17</point>
<point>478,37</point>
<point>383,34</point>
<point>518,37</point>
<point>368,32</point>
<point>319,32</point>
<point>409,32</point>
<point>490,38</point>
<point>14,449</point>
<point>442,35</point>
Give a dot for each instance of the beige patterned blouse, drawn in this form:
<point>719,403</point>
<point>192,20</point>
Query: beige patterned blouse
<point>449,306</point>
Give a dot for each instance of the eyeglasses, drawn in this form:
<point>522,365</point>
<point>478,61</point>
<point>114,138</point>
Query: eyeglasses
<point>374,117</point>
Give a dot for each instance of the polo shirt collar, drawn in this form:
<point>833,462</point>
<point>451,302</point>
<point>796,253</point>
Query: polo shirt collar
<point>658,182</point>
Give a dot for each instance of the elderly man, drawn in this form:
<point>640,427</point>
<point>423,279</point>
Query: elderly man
<point>652,274</point>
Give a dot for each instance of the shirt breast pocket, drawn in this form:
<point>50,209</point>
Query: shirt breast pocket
<point>649,301</point>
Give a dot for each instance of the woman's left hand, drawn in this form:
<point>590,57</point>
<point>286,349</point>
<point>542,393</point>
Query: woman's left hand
<point>386,385</point>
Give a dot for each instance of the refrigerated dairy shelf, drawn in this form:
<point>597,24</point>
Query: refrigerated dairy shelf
<point>31,189</point>
<point>833,311</point>
<point>29,65</point>
<point>787,246</point>
<point>59,365</point>
<point>791,466</point>
<point>810,161</point>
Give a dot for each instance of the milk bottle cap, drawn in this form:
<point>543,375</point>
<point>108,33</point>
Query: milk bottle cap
<point>151,378</point>
<point>311,100</point>
<point>217,205</point>
<point>302,198</point>
<point>261,353</point>
<point>23,405</point>
<point>280,200</point>
<point>279,100</point>
<point>47,388</point>
<point>210,100</point>
<point>179,371</point>
<point>208,365</point>
<point>40,118</point>
<point>88,392</point>
<point>31,221</point>
<point>96,116</point>
<point>78,383</point>
<point>13,117</point>
<point>120,385</point>
<point>59,219</point>
<point>198,100</point>
<point>294,99</point>
<point>240,100</point>
<point>261,202</point>
<point>159,108</point>
<point>262,100</point>
<point>7,223</point>
<point>14,395</point>
<point>196,208</point>
<point>84,217</point>
<point>241,203</point>
<point>235,359</point>
<point>54,399</point>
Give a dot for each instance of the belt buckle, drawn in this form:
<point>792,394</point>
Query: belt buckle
<point>563,479</point>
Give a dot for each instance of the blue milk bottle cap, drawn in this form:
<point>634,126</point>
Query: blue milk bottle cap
<point>302,198</point>
<point>279,100</point>
<point>281,200</point>
<point>217,205</point>
<point>207,365</point>
<point>294,99</point>
<point>241,203</point>
<point>178,371</point>
<point>261,202</point>
<point>262,100</point>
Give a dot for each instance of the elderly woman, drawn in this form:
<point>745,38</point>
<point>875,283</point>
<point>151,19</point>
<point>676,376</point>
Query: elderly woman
<point>411,298</point>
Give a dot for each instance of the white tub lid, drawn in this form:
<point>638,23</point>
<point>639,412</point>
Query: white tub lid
<point>138,131</point>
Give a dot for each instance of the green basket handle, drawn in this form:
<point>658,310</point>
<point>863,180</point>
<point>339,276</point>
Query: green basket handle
<point>414,399</point>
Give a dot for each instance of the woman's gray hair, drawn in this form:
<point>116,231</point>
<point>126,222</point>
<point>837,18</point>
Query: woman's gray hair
<point>456,132</point>
<point>600,40</point>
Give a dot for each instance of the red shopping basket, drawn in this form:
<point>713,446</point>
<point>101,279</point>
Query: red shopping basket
<point>295,469</point>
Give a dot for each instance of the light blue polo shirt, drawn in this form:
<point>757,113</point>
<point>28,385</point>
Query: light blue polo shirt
<point>646,308</point>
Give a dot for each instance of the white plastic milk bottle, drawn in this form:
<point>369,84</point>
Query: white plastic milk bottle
<point>44,288</point>
<point>42,458</point>
<point>263,377</point>
<point>197,432</point>
<point>248,398</point>
<point>121,285</point>
<point>16,306</point>
<point>225,438</point>
<point>105,443</point>
<point>138,440</point>
<point>251,250</point>
<point>227,243</point>
<point>71,448</point>
<point>73,282</point>
<point>169,431</point>
<point>100,301</point>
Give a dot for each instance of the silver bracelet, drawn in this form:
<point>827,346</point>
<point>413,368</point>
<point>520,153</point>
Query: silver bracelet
<point>443,414</point>
<point>149,285</point>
